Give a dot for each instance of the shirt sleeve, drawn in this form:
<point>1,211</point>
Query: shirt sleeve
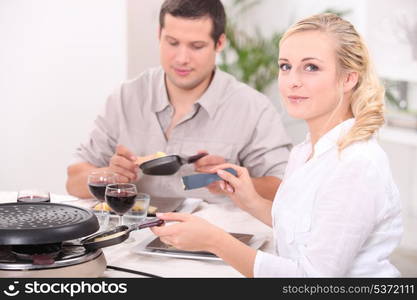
<point>267,151</point>
<point>270,265</point>
<point>102,140</point>
<point>344,214</point>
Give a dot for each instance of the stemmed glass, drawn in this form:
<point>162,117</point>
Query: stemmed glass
<point>97,183</point>
<point>121,198</point>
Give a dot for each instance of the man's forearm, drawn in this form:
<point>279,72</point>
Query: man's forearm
<point>266,186</point>
<point>77,180</point>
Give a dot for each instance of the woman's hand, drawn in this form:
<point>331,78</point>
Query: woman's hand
<point>191,233</point>
<point>196,234</point>
<point>206,164</point>
<point>239,188</point>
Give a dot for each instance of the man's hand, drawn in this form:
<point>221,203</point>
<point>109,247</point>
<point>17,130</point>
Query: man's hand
<point>123,164</point>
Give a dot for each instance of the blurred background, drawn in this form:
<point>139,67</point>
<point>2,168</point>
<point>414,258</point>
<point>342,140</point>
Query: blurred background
<point>59,60</point>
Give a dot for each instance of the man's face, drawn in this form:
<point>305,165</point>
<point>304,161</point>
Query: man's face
<point>187,51</point>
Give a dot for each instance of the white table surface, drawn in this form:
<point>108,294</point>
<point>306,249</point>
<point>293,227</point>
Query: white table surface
<point>225,215</point>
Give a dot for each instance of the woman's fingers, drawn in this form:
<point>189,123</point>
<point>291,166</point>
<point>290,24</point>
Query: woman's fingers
<point>229,188</point>
<point>170,229</point>
<point>229,178</point>
<point>171,216</point>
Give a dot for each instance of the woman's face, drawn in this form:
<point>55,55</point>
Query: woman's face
<point>308,80</point>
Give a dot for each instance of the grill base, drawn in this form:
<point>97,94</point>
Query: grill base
<point>90,269</point>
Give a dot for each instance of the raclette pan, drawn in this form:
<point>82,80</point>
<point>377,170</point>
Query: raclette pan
<point>167,165</point>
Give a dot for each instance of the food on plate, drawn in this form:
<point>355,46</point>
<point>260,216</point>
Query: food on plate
<point>137,207</point>
<point>160,154</point>
<point>142,159</point>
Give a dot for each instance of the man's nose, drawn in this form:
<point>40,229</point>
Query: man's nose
<point>183,56</point>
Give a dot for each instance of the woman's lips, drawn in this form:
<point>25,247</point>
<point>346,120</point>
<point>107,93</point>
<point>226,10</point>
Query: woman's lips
<point>297,99</point>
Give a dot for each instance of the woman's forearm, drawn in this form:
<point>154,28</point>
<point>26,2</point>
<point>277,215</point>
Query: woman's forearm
<point>235,253</point>
<point>260,208</point>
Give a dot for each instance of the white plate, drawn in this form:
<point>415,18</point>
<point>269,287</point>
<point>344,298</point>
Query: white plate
<point>255,243</point>
<point>189,205</point>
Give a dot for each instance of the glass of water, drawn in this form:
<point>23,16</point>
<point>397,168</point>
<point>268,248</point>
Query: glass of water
<point>34,195</point>
<point>138,213</point>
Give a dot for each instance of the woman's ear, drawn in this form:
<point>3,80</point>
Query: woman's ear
<point>350,81</point>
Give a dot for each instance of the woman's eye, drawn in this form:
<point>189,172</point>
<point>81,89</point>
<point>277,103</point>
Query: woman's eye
<point>311,68</point>
<point>284,67</point>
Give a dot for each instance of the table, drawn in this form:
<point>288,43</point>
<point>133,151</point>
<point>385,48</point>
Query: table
<point>225,215</point>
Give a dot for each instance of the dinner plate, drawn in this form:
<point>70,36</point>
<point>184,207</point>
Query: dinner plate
<point>183,205</point>
<point>189,205</point>
<point>142,248</point>
<point>166,204</point>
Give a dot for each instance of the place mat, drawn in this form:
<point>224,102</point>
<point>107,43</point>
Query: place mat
<point>255,242</point>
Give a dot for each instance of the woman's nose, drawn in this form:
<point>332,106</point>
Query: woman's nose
<point>295,80</point>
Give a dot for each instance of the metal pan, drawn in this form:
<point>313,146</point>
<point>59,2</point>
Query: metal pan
<point>116,235</point>
<point>168,165</point>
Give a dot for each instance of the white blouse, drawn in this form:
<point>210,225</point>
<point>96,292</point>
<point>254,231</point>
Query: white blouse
<point>335,215</point>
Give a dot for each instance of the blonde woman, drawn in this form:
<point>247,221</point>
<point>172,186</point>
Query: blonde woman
<point>337,212</point>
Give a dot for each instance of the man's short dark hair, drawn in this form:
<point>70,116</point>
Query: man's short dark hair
<point>195,9</point>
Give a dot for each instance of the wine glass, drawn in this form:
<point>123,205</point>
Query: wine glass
<point>97,182</point>
<point>121,197</point>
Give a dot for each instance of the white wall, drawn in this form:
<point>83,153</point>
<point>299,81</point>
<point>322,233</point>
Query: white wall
<point>58,62</point>
<point>143,45</point>
<point>389,43</point>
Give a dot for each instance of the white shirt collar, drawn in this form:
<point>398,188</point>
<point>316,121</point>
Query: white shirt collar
<point>331,138</point>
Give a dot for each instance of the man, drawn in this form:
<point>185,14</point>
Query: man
<point>185,107</point>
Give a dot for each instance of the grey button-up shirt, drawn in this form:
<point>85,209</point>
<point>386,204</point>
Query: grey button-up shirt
<point>230,119</point>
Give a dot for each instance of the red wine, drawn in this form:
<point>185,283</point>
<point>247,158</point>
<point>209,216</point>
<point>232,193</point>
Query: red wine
<point>33,199</point>
<point>98,190</point>
<point>121,202</point>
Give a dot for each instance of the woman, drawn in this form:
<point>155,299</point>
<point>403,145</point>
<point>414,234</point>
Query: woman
<point>337,211</point>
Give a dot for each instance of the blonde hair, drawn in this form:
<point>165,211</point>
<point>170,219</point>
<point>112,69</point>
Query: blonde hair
<point>367,99</point>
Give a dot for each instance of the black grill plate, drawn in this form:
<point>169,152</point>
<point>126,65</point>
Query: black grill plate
<point>43,223</point>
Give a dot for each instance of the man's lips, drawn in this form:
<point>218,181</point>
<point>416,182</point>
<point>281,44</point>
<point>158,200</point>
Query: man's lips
<point>182,72</point>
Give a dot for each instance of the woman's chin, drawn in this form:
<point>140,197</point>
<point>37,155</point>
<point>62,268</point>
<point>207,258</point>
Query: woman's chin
<point>297,114</point>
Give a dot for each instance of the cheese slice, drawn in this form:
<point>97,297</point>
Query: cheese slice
<point>110,236</point>
<point>142,159</point>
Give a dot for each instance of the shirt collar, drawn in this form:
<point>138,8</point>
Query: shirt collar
<point>161,101</point>
<point>209,101</point>
<point>331,138</point>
